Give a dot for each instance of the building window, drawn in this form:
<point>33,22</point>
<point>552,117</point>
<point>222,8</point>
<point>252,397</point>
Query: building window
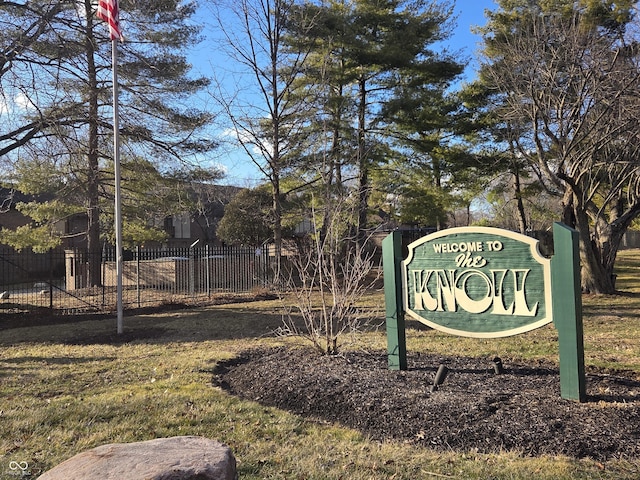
<point>178,226</point>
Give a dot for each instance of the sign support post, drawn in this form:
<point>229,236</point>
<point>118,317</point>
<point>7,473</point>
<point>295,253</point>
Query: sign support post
<point>396,336</point>
<point>567,311</point>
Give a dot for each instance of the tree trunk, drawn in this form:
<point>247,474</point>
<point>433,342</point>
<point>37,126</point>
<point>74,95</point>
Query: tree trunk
<point>596,277</point>
<point>333,177</point>
<point>522,218</point>
<point>568,216</point>
<point>437,183</point>
<point>363,181</point>
<point>93,169</point>
<point>599,245</point>
<point>277,227</point>
<point>608,238</point>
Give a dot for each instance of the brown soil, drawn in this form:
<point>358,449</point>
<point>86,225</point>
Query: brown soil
<point>474,409</point>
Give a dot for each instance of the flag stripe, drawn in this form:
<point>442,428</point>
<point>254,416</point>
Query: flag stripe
<point>108,11</point>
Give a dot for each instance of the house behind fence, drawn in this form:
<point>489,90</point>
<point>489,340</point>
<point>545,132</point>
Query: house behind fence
<point>58,280</point>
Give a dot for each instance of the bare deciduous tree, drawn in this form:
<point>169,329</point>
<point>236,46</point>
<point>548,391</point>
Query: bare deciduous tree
<point>575,87</point>
<point>263,117</point>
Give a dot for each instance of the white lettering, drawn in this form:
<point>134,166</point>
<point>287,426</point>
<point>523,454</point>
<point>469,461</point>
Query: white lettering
<point>521,308</point>
<point>494,246</point>
<point>472,290</point>
<point>460,247</point>
<point>465,260</point>
<point>423,299</point>
<point>498,277</point>
<point>446,290</point>
<point>466,302</point>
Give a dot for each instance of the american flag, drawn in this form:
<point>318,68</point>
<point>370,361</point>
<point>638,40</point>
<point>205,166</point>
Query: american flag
<point>108,11</point>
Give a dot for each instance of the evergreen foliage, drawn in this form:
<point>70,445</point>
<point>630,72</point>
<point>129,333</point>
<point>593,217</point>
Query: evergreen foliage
<point>63,132</point>
<point>374,78</point>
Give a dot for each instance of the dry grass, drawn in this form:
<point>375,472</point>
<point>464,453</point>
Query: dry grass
<point>68,387</point>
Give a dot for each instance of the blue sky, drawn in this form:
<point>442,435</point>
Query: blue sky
<point>470,13</point>
<point>240,170</point>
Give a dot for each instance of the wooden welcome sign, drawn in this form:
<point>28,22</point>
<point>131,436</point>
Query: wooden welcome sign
<point>487,283</point>
<point>477,282</point>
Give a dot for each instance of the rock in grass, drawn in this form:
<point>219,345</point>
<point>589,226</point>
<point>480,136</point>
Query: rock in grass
<point>175,458</point>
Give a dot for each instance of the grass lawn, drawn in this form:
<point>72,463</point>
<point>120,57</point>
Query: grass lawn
<point>68,387</point>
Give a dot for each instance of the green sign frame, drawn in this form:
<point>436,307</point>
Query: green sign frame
<point>477,282</point>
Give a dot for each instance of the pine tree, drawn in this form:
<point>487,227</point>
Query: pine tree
<point>365,55</point>
<point>66,126</point>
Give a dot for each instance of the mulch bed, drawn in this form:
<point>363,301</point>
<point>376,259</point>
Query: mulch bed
<point>474,409</point>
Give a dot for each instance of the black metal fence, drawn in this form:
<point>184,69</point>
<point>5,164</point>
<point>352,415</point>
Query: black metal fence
<point>61,280</point>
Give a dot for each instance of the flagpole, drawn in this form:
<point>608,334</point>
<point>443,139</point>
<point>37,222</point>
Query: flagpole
<point>118,201</point>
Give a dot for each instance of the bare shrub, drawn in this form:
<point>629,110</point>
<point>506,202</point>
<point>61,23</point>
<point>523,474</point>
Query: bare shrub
<point>328,278</point>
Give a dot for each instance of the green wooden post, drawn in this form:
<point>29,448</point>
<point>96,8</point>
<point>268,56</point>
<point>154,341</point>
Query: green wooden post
<point>396,336</point>
<point>567,311</point>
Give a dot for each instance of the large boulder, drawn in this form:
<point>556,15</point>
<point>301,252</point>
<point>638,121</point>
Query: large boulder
<point>175,458</point>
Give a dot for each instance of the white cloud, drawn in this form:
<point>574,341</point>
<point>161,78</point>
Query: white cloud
<point>23,102</point>
<point>248,140</point>
<point>19,103</point>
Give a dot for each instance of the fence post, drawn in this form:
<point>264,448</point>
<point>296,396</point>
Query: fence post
<point>103,268</point>
<point>138,252</point>
<point>207,266</point>
<point>50,279</point>
<point>192,272</point>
